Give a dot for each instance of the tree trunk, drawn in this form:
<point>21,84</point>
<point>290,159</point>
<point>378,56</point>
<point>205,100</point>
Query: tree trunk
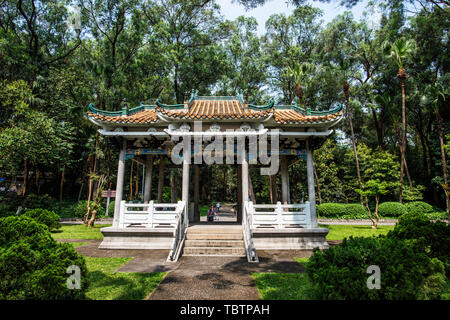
<point>250,188</point>
<point>173,187</point>
<point>402,75</point>
<point>299,93</point>
<point>88,210</point>
<point>273,189</point>
<point>25,177</point>
<point>355,152</point>
<point>318,184</point>
<point>61,185</point>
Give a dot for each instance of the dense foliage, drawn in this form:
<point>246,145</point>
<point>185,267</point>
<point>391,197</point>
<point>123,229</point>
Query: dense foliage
<point>33,265</point>
<point>414,262</point>
<point>143,50</point>
<point>431,238</point>
<point>341,272</point>
<point>46,217</point>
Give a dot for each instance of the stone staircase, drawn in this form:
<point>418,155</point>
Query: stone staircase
<point>214,240</point>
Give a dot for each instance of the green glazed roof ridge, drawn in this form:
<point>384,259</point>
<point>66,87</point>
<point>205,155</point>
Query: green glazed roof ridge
<point>169,106</point>
<point>103,112</point>
<point>120,113</point>
<point>308,111</point>
<point>334,110</point>
<point>267,107</point>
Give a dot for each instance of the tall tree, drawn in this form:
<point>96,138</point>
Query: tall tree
<point>399,51</point>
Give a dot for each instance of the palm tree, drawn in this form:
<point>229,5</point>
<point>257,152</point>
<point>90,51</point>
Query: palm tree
<point>398,51</point>
<point>300,73</point>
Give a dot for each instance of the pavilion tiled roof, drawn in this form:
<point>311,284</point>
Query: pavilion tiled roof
<point>288,116</point>
<point>216,108</point>
<point>141,117</point>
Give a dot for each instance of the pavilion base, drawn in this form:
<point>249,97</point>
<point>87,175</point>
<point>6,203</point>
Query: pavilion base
<point>136,238</point>
<point>290,238</point>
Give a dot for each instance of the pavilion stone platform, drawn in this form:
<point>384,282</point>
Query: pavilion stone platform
<point>152,133</point>
<point>136,238</point>
<point>290,239</point>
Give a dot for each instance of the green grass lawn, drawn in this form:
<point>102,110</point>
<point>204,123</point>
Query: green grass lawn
<point>79,231</point>
<point>339,232</point>
<point>109,285</point>
<point>283,286</point>
<point>77,244</point>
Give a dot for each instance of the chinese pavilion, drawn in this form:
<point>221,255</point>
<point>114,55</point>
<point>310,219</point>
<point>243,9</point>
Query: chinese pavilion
<point>148,131</point>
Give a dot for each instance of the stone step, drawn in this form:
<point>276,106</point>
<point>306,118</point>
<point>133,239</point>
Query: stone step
<point>211,236</point>
<point>214,243</point>
<point>214,251</point>
<point>214,230</point>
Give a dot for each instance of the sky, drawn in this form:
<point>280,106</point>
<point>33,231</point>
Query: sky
<point>330,10</point>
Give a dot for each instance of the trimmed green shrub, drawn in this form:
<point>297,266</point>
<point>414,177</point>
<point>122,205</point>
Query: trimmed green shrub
<point>112,204</point>
<point>34,201</point>
<point>355,211</point>
<point>49,218</point>
<point>418,207</point>
<point>431,238</point>
<point>330,210</point>
<point>81,208</point>
<point>342,211</point>
<point>391,209</point>
<point>33,265</point>
<point>341,272</point>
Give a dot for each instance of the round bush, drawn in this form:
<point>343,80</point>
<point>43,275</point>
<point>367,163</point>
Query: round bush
<point>330,210</point>
<point>49,218</point>
<point>418,207</point>
<point>341,272</point>
<point>33,265</point>
<point>81,208</point>
<point>391,209</point>
<point>431,238</point>
<point>355,211</point>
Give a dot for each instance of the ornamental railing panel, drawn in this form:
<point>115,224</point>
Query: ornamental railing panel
<point>281,216</point>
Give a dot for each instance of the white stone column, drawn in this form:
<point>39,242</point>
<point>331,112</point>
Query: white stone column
<point>284,180</point>
<point>119,184</point>
<point>311,187</point>
<point>185,187</point>
<point>148,177</point>
<point>244,170</point>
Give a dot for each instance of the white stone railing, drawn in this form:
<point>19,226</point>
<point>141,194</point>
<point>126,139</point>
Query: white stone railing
<point>280,216</point>
<point>150,215</point>
<point>250,250</point>
<point>179,234</point>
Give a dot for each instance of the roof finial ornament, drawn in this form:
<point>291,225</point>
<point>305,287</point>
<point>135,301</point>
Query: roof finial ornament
<point>125,107</point>
<point>240,95</point>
